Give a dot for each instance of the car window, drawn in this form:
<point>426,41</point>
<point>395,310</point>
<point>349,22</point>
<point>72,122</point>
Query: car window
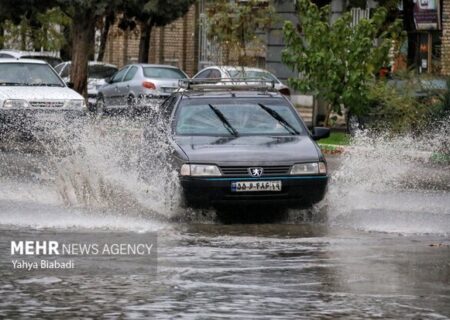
<point>119,75</point>
<point>130,74</point>
<point>203,74</point>
<point>59,67</point>
<point>163,73</point>
<point>28,74</point>
<point>5,55</point>
<point>99,71</point>
<point>66,71</point>
<point>215,74</point>
<point>53,61</point>
<point>254,74</point>
<point>246,117</point>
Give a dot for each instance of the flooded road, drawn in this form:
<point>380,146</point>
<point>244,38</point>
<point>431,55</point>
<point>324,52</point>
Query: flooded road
<point>377,247</point>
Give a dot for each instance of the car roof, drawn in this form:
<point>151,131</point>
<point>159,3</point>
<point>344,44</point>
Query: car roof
<point>93,63</point>
<point>229,68</point>
<point>24,61</point>
<point>154,65</point>
<point>19,53</point>
<point>230,94</point>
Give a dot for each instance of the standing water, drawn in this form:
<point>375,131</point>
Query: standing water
<point>381,253</point>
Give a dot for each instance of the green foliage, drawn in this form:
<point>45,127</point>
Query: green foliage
<point>396,108</point>
<point>40,31</point>
<point>156,12</point>
<point>338,61</point>
<point>337,138</point>
<point>233,25</point>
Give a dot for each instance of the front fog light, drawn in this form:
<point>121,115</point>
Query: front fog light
<point>199,170</point>
<point>305,168</point>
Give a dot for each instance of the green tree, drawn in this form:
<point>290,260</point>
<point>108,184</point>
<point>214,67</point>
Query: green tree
<point>234,26</point>
<point>151,13</point>
<point>337,61</point>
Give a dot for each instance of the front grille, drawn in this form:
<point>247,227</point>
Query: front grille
<point>47,104</point>
<point>243,171</point>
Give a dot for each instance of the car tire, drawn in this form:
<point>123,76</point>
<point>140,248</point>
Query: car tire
<point>100,105</point>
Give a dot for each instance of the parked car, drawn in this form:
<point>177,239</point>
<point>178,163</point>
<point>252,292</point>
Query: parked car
<point>135,82</point>
<point>241,146</point>
<point>50,57</point>
<point>239,74</point>
<point>31,89</point>
<point>98,74</point>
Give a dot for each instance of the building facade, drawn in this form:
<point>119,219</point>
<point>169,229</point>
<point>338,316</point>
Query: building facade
<point>184,43</point>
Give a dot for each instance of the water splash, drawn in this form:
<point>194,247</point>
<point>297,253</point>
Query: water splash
<point>390,184</point>
<point>95,163</point>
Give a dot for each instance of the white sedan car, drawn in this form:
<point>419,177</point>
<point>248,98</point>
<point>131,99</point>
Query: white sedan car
<point>30,89</point>
<point>240,74</point>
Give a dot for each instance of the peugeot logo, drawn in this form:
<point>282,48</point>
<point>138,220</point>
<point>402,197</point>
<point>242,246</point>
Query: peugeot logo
<point>255,172</point>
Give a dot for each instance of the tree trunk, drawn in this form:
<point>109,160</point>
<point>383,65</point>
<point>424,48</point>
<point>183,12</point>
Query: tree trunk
<point>144,41</point>
<point>83,37</point>
<point>109,19</point>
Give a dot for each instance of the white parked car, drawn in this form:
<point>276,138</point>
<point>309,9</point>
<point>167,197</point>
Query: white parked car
<point>240,74</point>
<point>98,73</point>
<point>30,89</point>
<point>50,57</point>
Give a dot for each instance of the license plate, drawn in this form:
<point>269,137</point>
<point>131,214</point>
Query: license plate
<point>251,186</point>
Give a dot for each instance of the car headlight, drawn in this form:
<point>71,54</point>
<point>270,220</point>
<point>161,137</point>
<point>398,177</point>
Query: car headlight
<point>309,168</point>
<point>75,104</point>
<point>199,170</point>
<point>16,103</point>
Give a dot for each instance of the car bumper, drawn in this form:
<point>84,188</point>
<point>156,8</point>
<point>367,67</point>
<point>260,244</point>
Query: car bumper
<point>296,191</point>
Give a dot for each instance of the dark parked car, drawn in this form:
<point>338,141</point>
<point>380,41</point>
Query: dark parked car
<point>242,145</point>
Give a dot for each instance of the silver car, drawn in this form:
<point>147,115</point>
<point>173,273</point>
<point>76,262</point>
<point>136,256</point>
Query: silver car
<point>239,74</point>
<point>136,82</point>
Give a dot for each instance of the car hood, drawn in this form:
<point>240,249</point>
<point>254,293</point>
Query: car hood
<point>261,150</point>
<point>38,93</point>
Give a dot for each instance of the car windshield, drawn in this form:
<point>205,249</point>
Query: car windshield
<point>163,73</point>
<point>263,75</point>
<point>53,61</point>
<point>237,118</point>
<point>28,74</point>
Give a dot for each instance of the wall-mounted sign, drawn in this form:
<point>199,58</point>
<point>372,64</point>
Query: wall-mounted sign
<point>427,14</point>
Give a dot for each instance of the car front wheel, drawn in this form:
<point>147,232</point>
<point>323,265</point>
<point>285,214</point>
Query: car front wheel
<point>100,105</point>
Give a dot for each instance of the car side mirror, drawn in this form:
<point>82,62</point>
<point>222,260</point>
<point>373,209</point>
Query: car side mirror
<point>320,133</point>
<point>70,84</point>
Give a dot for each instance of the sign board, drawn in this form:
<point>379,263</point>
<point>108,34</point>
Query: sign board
<point>427,14</point>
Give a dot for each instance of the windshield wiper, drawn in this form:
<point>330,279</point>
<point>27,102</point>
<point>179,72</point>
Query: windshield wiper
<point>280,119</point>
<point>45,85</point>
<point>224,120</point>
<point>13,84</point>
